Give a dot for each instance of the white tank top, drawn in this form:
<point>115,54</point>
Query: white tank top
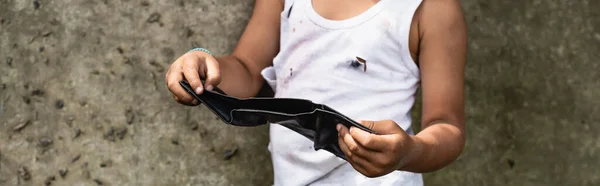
<point>318,61</point>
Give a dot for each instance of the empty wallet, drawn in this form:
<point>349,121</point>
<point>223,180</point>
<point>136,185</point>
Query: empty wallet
<point>316,122</point>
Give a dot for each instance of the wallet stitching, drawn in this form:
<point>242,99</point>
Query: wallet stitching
<point>276,113</point>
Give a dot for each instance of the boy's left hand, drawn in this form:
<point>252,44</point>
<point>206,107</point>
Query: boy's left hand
<point>376,155</point>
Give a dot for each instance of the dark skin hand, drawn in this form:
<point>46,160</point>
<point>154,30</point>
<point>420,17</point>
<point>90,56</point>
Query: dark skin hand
<point>439,30</point>
<point>237,74</point>
<point>437,42</point>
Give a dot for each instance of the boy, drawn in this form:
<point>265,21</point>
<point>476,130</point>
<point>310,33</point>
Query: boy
<point>364,58</point>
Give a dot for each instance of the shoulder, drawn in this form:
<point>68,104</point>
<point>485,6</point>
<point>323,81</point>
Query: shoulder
<point>436,14</point>
<point>447,6</point>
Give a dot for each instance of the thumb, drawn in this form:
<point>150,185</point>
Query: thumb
<point>212,72</point>
<point>382,127</point>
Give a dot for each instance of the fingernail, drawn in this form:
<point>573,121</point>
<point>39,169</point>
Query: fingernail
<point>198,90</point>
<point>338,127</point>
<point>209,87</point>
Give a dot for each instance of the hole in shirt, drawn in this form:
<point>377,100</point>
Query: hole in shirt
<point>359,62</point>
<point>290,12</point>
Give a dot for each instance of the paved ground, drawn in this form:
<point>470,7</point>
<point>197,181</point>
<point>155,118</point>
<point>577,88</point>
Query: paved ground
<point>83,98</point>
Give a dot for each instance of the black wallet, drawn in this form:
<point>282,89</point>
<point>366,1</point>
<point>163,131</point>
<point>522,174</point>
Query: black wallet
<point>317,122</point>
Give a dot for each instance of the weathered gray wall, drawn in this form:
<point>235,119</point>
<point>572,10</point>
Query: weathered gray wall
<point>532,88</point>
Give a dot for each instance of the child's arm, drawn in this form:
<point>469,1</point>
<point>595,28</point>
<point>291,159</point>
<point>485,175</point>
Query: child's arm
<point>442,56</point>
<point>237,74</point>
<point>442,59</point>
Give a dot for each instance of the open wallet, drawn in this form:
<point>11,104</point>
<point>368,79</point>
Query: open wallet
<point>317,122</point>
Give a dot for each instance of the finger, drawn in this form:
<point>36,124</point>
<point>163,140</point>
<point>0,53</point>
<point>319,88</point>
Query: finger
<point>173,84</point>
<point>193,103</point>
<point>350,157</point>
<point>175,97</point>
<point>355,148</point>
<point>358,163</point>
<point>190,69</point>
<point>342,143</point>
<point>178,100</point>
<point>373,142</point>
<point>366,167</point>
<point>213,75</point>
<point>383,127</point>
<point>167,75</point>
<point>202,71</point>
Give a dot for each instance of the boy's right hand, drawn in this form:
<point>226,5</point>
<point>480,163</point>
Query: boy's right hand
<point>192,67</point>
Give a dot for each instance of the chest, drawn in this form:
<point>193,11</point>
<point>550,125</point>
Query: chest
<point>363,48</point>
<point>373,20</point>
<point>370,47</point>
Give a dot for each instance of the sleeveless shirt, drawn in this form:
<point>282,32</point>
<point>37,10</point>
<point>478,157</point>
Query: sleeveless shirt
<point>360,66</point>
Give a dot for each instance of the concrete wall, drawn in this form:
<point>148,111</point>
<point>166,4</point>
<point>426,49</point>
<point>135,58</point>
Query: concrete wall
<point>82,91</point>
